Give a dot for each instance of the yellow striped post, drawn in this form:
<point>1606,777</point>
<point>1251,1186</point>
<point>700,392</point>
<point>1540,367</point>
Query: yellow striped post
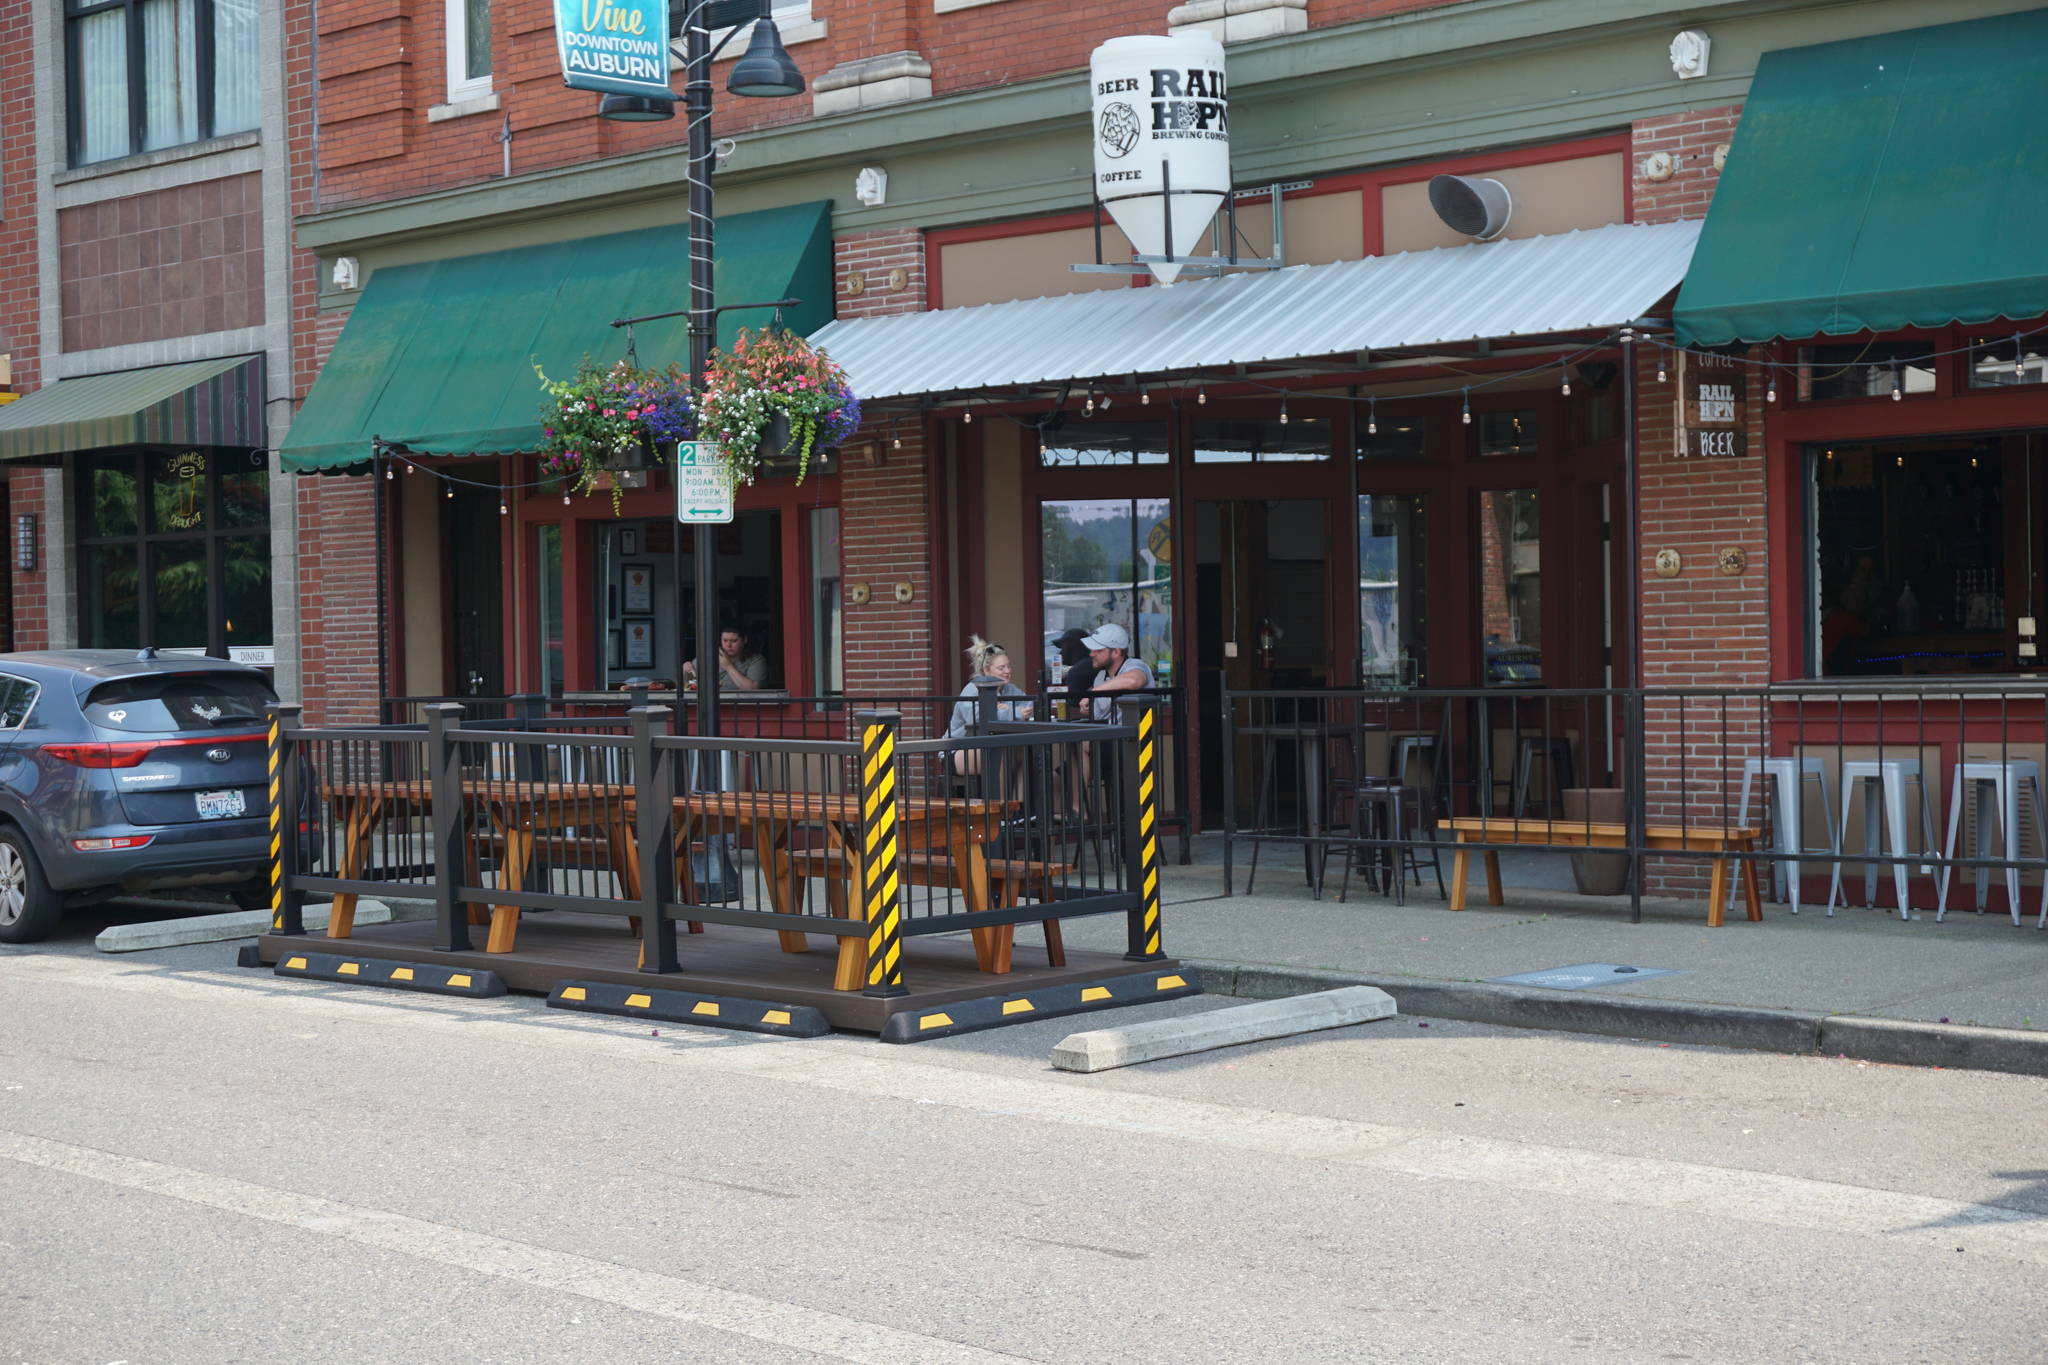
<point>286,905</point>
<point>1144,937</point>
<point>880,854</point>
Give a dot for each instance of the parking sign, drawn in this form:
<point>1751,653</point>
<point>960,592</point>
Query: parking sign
<point>703,488</point>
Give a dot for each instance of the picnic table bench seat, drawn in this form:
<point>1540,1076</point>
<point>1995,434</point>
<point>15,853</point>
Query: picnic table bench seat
<point>1726,840</point>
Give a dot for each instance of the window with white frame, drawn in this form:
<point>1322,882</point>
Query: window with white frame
<point>147,74</point>
<point>469,49</point>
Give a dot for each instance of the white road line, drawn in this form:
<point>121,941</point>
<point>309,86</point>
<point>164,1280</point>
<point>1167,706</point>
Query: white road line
<point>870,1070</point>
<point>663,1296</point>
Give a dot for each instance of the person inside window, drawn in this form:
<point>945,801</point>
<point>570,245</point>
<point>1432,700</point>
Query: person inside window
<point>1109,650</point>
<point>991,665</point>
<point>738,670</point>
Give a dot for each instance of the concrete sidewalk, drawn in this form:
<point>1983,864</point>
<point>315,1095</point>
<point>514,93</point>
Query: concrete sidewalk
<point>1970,991</point>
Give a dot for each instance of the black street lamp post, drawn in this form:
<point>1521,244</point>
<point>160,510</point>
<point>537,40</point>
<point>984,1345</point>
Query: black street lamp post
<point>764,71</point>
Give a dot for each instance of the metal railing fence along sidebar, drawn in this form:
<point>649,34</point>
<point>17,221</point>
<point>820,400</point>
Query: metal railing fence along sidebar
<point>1914,781</point>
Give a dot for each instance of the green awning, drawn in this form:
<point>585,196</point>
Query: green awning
<point>198,403</point>
<point>438,357</point>
<point>1878,183</point>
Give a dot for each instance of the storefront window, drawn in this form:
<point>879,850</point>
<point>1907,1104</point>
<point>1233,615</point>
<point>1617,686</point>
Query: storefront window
<point>1091,445</point>
<point>174,551</point>
<point>548,564</point>
<point>1866,371</point>
<point>1507,433</point>
<point>1392,438</point>
<point>648,631</point>
<point>1910,558</point>
<point>1390,590</point>
<point>1510,587</point>
<point>1273,442</point>
<point>827,673</point>
<point>1110,560</point>
<point>2001,362</point>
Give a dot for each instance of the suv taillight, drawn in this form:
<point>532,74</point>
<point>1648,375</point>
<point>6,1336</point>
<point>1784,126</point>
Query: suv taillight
<point>99,755</point>
<point>131,753</point>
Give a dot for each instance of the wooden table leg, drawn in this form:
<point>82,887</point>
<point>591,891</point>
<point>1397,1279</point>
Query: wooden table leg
<point>845,896</point>
<point>1493,896</point>
<point>512,877</point>
<point>1717,892</point>
<point>970,863</point>
<point>686,880</point>
<point>355,848</point>
<point>1461,868</point>
<point>771,846</point>
<point>1751,895</point>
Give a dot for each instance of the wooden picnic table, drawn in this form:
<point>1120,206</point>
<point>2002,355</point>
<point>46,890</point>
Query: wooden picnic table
<point>1726,840</point>
<point>522,813</point>
<point>519,812</point>
<point>964,826</point>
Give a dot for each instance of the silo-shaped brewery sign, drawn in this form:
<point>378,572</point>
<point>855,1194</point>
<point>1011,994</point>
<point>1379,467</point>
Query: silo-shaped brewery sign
<point>1162,114</point>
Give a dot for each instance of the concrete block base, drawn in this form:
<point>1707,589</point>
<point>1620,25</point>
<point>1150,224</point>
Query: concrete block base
<point>219,928</point>
<point>1104,1049</point>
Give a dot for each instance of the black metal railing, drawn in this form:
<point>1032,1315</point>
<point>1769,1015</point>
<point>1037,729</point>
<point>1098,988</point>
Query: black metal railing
<point>1012,821</point>
<point>781,716</point>
<point>1913,780</point>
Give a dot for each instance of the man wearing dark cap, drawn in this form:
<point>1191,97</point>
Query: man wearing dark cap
<point>1079,671</point>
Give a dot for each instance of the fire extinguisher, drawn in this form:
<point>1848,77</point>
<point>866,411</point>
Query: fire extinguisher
<point>1269,639</point>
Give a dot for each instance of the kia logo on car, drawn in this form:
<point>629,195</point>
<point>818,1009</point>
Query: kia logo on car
<point>218,755</point>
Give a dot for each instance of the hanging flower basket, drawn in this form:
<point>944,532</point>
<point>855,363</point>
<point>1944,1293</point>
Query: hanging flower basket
<point>774,398</point>
<point>603,420</point>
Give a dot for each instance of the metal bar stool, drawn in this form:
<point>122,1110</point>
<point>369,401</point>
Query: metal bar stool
<point>1786,803</point>
<point>2001,780</point>
<point>1556,757</point>
<point>1882,783</point>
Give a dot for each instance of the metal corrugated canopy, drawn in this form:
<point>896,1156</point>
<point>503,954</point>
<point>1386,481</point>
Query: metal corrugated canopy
<point>1533,286</point>
<point>194,403</point>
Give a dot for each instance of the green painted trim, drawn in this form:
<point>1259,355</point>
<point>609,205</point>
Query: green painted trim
<point>1410,87</point>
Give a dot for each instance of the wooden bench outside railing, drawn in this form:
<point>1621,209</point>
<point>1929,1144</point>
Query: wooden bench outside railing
<point>1724,840</point>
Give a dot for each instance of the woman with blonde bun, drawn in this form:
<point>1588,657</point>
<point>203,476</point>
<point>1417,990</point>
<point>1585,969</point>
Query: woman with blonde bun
<point>991,665</point>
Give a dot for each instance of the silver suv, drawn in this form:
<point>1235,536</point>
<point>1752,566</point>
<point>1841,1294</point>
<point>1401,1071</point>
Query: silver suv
<point>124,773</point>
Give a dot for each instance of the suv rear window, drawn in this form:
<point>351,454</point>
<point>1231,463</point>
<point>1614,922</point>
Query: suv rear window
<point>180,701</point>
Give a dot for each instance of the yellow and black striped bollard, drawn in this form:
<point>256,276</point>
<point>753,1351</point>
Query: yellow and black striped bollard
<point>286,905</point>
<point>1144,937</point>
<point>880,856</point>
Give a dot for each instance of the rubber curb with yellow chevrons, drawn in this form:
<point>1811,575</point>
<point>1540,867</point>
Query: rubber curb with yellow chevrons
<point>404,976</point>
<point>688,1007</point>
<point>994,1011</point>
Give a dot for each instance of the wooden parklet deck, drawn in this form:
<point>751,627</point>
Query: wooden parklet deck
<point>724,960</point>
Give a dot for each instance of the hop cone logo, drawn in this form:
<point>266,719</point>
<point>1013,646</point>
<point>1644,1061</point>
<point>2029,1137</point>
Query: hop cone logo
<point>1119,128</point>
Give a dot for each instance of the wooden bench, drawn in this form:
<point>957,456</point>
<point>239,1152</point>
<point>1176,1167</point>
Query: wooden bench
<point>1010,880</point>
<point>1583,834</point>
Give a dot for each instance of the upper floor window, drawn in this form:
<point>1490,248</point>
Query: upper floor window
<point>469,49</point>
<point>145,74</point>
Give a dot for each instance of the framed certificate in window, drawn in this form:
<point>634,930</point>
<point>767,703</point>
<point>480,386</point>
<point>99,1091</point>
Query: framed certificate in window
<point>638,597</point>
<point>636,643</point>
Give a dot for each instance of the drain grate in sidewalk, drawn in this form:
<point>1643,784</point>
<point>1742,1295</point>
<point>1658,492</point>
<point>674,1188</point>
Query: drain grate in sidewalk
<point>1585,975</point>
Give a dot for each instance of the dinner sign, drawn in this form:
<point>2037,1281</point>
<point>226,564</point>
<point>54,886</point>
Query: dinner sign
<point>619,47</point>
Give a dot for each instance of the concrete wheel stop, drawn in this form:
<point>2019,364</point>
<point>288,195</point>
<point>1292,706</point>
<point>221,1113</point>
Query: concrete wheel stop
<point>1106,1049</point>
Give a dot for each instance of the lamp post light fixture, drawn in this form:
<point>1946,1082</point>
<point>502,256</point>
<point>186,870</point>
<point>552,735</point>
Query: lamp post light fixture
<point>765,71</point>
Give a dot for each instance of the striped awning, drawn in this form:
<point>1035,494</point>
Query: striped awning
<point>197,403</point>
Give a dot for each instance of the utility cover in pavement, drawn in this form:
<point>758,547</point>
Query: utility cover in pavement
<point>1585,975</point>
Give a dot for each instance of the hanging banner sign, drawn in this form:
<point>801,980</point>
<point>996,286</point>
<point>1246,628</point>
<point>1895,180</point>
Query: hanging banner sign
<point>619,47</point>
<point>1712,417</point>
<point>1161,108</point>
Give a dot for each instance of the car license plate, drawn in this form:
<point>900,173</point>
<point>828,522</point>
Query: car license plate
<point>221,805</point>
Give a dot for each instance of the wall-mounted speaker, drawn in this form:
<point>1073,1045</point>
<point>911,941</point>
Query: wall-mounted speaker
<point>1476,207</point>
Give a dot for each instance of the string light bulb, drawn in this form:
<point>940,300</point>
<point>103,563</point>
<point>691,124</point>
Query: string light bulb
<point>389,472</point>
<point>2019,357</point>
<point>1283,412</point>
<point>1465,415</point>
<point>1663,376</point>
<point>1144,396</point>
<point>504,508</point>
<point>1201,396</point>
<point>1897,392</point>
<point>896,443</point>
<point>408,467</point>
<point>1372,417</point>
<point>449,493</point>
<point>565,499</point>
<point>1564,389</point>
<point>1771,390</point>
<point>967,417</point>
<point>1088,408</point>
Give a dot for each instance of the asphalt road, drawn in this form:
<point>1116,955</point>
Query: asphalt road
<point>202,1164</point>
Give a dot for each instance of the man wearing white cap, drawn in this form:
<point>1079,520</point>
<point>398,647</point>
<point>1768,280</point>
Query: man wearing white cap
<point>1109,649</point>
